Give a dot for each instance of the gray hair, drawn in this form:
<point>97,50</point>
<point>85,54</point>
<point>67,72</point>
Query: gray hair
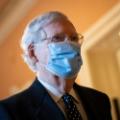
<point>34,33</point>
<point>34,30</point>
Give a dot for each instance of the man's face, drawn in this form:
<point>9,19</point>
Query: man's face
<point>54,31</point>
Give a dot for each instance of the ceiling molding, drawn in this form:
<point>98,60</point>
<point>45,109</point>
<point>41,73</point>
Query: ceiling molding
<point>102,28</point>
<point>12,16</point>
<point>5,7</point>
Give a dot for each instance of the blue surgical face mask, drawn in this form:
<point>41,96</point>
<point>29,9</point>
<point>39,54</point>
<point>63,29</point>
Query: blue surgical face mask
<point>65,59</point>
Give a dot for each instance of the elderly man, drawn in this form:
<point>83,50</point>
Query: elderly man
<point>52,48</point>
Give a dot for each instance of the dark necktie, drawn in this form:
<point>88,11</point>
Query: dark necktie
<point>71,109</point>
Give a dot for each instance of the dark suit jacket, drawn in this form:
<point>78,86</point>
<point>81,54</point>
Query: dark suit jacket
<point>36,104</point>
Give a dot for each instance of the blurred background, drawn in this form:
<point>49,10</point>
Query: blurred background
<point>97,20</point>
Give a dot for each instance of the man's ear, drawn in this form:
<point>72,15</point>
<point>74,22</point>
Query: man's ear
<point>31,53</point>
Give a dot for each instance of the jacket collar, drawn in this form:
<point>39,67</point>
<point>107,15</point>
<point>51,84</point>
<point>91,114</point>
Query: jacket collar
<point>43,104</point>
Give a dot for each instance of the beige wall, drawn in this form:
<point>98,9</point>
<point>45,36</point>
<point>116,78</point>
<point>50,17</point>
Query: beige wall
<point>14,74</point>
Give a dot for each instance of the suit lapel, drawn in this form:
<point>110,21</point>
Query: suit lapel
<point>50,110</point>
<point>45,107</point>
<point>87,102</point>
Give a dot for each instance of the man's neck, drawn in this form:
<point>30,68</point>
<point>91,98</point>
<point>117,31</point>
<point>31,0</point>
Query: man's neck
<point>56,85</point>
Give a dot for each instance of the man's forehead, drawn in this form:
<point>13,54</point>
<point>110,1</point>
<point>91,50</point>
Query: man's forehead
<point>59,27</point>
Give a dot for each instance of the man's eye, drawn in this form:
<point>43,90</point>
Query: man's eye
<point>57,38</point>
<point>74,38</point>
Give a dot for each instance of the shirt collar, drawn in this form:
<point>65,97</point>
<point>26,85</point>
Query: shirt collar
<point>57,98</point>
<point>54,94</point>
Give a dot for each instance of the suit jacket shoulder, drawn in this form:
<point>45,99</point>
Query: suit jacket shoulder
<point>32,104</point>
<point>96,103</point>
<point>3,113</point>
